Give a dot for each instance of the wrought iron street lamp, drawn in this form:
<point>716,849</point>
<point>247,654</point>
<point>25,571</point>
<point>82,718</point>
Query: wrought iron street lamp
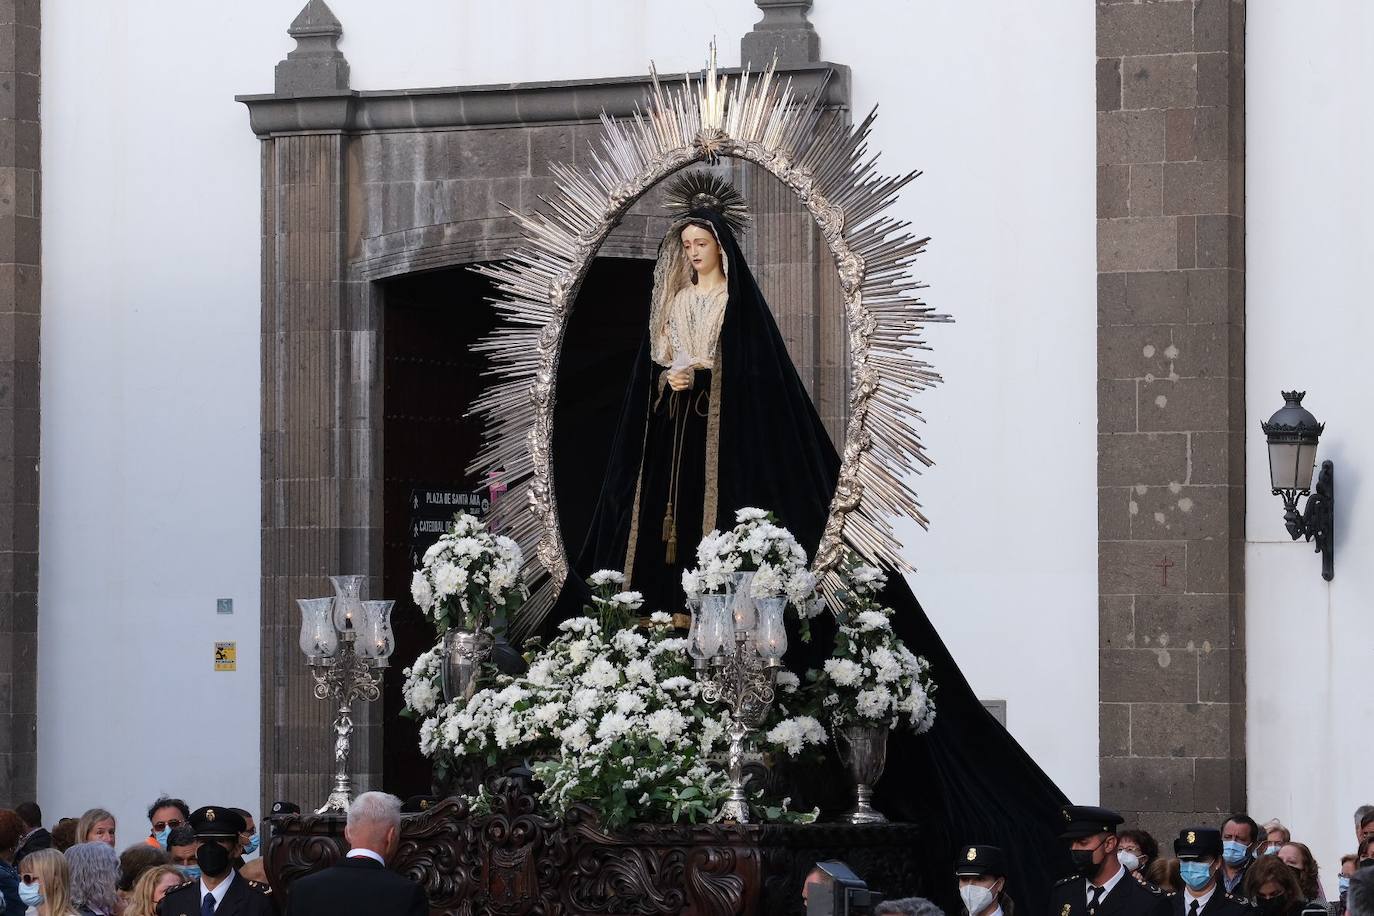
<point>1292,434</point>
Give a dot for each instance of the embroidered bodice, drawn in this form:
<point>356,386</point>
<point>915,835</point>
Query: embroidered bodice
<point>692,328</point>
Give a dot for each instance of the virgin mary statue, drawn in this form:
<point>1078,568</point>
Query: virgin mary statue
<point>715,418</point>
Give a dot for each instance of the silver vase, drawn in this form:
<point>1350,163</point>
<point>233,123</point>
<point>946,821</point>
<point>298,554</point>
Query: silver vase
<point>464,652</point>
<point>863,748</point>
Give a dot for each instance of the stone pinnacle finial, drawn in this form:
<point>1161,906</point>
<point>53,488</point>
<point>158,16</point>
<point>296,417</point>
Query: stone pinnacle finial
<point>317,65</point>
<point>785,31</point>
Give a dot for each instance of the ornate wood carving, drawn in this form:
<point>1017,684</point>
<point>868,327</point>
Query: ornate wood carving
<point>512,860</point>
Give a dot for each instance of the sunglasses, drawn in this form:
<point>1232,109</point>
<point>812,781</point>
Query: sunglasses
<point>30,879</point>
<point>173,823</point>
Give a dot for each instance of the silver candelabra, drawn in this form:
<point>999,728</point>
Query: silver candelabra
<point>347,643</point>
<point>736,643</point>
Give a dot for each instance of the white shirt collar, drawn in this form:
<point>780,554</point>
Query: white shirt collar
<point>1106,888</point>
<point>1201,899</point>
<point>220,890</point>
<point>359,852</point>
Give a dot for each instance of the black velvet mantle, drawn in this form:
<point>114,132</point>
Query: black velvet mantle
<point>968,773</point>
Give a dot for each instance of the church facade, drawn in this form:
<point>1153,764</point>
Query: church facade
<point>252,319</point>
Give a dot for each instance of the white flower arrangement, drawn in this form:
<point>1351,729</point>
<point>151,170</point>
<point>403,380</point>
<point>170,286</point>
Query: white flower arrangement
<point>873,678</point>
<point>609,717</point>
<point>756,544</point>
<point>468,575</point>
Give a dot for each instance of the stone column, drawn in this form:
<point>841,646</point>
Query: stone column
<point>20,195</point>
<point>1171,346</point>
<point>320,447</point>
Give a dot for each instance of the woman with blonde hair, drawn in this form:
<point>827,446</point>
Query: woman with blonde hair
<point>151,887</point>
<point>96,826</point>
<point>44,878</point>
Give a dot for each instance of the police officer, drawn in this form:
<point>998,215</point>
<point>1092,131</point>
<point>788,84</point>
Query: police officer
<point>1199,865</point>
<point>219,891</point>
<point>982,874</point>
<point>1102,885</point>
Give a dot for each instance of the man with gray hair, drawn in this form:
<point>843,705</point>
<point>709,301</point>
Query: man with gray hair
<point>1359,898</point>
<point>907,906</point>
<point>361,884</point>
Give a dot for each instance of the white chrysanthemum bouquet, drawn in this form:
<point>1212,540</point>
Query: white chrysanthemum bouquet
<point>468,576</point>
<point>758,545</point>
<point>608,715</point>
<point>872,678</point>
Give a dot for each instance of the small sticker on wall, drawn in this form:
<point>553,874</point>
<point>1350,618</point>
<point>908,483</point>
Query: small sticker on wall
<point>226,656</point>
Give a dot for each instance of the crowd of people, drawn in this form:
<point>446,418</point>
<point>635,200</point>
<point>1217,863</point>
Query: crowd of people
<point>74,869</point>
<point>195,861</point>
<point>1236,868</point>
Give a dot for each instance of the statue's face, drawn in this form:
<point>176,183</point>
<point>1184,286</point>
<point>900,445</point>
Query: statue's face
<point>699,245</point>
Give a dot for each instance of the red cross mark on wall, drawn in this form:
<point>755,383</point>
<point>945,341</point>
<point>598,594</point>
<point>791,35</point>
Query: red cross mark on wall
<point>1164,566</point>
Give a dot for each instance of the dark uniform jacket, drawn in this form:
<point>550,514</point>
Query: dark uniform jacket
<point>1220,904</point>
<point>356,887</point>
<point>1131,896</point>
<point>244,898</point>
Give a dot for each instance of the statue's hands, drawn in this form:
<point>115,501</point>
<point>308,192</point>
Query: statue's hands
<point>681,379</point>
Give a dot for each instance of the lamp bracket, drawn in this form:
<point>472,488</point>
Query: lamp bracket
<point>1316,521</point>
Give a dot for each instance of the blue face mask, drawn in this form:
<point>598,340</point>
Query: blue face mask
<point>31,895</point>
<point>1196,875</point>
<point>1343,883</point>
<point>192,872</point>
<point>161,837</point>
<point>1234,852</point>
<point>1272,849</point>
<point>252,846</point>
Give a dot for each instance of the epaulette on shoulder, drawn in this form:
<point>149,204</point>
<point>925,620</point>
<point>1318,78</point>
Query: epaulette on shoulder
<point>1243,901</point>
<point>1152,888</point>
<point>1063,881</point>
<point>260,887</point>
<point>176,887</point>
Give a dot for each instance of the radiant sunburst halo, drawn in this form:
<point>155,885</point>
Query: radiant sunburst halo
<point>826,163</point>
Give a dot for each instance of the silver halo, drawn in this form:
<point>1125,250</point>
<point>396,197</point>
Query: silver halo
<point>827,165</point>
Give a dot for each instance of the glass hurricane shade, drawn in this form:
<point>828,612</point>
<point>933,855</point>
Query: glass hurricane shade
<point>348,605</point>
<point>742,607</point>
<point>771,636</point>
<point>318,637</point>
<point>715,628</point>
<point>376,639</point>
<point>694,629</point>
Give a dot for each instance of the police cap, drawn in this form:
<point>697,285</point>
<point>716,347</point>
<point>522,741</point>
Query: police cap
<point>1085,820</point>
<point>976,861</point>
<point>214,822</point>
<point>1198,843</point>
<point>285,807</point>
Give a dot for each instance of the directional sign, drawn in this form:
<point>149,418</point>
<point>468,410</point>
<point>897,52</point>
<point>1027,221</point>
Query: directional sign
<point>432,510</point>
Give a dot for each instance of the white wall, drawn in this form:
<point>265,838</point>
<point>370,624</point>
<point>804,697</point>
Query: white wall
<point>1310,724</point>
<point>150,464</point>
<point>150,404</point>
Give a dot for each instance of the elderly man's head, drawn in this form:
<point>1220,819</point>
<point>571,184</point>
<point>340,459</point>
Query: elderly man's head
<point>907,906</point>
<point>374,822</point>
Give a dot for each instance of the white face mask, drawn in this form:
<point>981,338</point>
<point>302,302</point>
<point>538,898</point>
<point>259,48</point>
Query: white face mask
<point>1129,860</point>
<point>976,898</point>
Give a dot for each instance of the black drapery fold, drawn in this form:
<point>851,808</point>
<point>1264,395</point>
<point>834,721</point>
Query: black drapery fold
<point>967,777</point>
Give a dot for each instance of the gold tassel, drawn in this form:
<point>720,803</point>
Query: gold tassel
<point>670,534</point>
